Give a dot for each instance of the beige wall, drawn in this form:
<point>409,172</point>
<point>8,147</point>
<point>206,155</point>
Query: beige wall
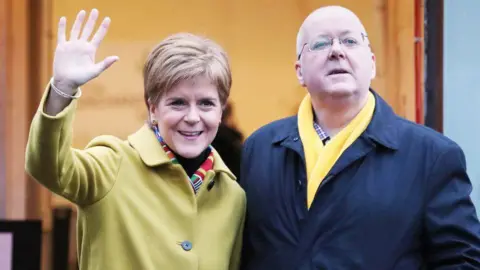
<point>259,36</point>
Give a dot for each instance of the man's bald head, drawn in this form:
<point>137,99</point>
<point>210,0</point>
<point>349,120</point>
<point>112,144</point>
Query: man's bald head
<point>334,56</point>
<point>320,17</point>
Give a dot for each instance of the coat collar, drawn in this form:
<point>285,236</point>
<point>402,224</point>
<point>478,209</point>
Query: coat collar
<point>152,154</point>
<point>382,128</point>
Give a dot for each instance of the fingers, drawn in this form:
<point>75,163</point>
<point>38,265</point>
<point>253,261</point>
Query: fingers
<point>106,63</point>
<point>101,32</point>
<point>61,30</point>
<point>88,29</point>
<point>77,25</point>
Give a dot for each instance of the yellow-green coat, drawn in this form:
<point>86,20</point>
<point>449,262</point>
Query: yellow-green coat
<point>137,210</point>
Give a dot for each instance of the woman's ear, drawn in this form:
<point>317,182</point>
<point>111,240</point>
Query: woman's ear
<point>151,108</point>
<point>149,104</point>
<point>151,113</point>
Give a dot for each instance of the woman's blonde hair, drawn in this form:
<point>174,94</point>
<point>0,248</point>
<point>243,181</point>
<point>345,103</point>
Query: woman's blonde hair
<point>181,57</point>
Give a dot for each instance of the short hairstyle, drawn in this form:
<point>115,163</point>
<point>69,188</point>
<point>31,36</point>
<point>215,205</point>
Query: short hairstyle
<point>181,57</point>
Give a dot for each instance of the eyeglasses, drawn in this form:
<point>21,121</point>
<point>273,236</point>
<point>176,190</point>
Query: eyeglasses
<point>324,42</point>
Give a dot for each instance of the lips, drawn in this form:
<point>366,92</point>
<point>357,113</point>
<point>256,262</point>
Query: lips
<point>338,71</point>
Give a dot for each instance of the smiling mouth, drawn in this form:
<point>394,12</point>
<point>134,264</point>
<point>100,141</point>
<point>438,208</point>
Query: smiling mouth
<point>338,71</point>
<point>190,133</point>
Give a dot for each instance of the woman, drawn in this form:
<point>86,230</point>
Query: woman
<point>163,199</point>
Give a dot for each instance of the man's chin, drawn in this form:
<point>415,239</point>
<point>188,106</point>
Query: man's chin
<point>340,91</point>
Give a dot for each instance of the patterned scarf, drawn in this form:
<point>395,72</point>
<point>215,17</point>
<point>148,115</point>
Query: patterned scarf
<point>197,178</point>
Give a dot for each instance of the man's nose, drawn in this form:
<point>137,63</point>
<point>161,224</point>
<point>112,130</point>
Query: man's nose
<point>336,51</point>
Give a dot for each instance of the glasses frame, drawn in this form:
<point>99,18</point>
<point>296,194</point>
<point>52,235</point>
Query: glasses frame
<point>364,37</point>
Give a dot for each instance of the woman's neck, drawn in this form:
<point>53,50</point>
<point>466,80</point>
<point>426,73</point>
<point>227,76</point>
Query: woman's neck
<point>190,165</point>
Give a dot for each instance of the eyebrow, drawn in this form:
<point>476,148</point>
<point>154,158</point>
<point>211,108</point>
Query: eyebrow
<point>342,33</point>
<point>174,98</point>
<point>212,99</point>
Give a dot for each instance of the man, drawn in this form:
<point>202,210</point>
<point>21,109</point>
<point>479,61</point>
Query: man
<point>347,184</point>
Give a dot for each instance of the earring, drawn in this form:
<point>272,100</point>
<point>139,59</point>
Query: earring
<point>153,122</point>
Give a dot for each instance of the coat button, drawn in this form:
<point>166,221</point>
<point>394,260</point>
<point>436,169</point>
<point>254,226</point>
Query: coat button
<point>186,245</point>
<point>295,139</point>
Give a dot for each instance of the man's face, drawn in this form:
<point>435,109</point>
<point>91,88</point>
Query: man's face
<point>340,68</point>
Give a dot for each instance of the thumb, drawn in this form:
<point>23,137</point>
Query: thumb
<point>106,63</point>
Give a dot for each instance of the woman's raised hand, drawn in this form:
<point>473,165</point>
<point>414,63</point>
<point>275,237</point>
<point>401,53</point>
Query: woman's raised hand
<point>74,60</point>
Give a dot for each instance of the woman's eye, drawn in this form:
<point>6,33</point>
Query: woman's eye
<point>206,103</point>
<point>177,103</point>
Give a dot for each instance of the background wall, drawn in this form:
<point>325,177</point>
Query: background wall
<point>461,93</point>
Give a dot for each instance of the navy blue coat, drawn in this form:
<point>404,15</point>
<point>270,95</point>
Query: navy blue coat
<point>398,198</point>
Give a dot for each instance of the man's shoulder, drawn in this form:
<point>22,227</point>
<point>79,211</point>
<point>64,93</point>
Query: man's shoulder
<point>423,136</point>
<point>273,130</point>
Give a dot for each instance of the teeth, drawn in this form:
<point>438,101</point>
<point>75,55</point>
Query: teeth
<point>190,133</point>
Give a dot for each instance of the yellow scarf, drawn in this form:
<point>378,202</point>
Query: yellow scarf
<point>319,158</point>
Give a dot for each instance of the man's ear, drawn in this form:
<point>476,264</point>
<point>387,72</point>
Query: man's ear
<point>299,71</point>
<point>374,67</point>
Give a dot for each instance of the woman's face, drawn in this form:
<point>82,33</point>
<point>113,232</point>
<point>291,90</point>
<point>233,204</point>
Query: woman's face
<point>188,116</point>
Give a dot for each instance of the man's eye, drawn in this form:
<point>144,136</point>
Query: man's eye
<point>320,44</point>
<point>350,41</point>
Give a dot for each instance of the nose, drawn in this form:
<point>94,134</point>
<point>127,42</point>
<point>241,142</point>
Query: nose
<point>336,51</point>
<point>192,116</point>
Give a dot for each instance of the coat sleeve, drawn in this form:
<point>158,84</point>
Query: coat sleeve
<point>237,248</point>
<point>81,176</point>
<point>452,226</point>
